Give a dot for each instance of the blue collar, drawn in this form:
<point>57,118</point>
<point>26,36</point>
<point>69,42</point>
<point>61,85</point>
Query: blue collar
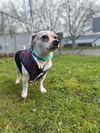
<point>41,58</point>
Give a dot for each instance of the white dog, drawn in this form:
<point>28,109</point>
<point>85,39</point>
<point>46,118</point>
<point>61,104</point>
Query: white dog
<point>34,62</point>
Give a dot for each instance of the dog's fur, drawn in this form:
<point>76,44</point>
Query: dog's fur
<point>44,43</point>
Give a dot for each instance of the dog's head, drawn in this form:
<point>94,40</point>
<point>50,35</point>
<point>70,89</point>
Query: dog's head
<point>44,41</point>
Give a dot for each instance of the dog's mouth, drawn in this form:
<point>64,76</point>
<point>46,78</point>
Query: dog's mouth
<point>54,45</point>
<point>52,48</point>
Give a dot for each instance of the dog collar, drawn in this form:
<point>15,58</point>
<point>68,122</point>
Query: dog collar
<point>41,58</point>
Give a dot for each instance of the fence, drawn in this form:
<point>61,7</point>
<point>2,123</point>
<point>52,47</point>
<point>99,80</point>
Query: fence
<point>11,41</point>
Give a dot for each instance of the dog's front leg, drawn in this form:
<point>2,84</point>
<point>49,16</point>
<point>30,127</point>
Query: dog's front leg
<point>25,80</point>
<point>25,87</point>
<point>41,87</point>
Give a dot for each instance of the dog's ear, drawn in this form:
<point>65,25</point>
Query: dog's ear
<point>33,36</point>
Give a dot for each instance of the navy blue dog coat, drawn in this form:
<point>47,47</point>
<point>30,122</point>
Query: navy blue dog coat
<point>26,58</point>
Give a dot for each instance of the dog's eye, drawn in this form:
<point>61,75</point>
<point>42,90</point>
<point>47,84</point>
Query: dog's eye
<point>55,37</point>
<point>45,38</point>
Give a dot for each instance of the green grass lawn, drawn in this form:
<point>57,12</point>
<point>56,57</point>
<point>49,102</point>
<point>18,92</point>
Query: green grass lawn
<point>71,104</point>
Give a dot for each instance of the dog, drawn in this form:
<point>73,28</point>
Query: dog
<point>34,62</point>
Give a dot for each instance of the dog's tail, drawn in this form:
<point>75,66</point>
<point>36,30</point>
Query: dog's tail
<point>23,47</point>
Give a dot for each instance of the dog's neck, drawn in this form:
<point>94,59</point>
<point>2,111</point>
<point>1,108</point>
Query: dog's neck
<point>41,53</point>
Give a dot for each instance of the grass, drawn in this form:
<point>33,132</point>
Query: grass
<point>80,47</point>
<point>71,105</point>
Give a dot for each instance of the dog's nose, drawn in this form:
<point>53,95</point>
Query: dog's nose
<point>55,42</point>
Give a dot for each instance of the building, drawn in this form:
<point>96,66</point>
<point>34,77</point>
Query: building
<point>86,40</point>
<point>96,24</point>
<point>17,41</point>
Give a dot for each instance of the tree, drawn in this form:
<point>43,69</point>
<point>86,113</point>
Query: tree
<point>47,15</point>
<point>77,15</point>
<point>21,12</point>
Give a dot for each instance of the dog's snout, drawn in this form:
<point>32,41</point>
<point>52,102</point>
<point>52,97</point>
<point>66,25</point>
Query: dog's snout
<point>55,42</point>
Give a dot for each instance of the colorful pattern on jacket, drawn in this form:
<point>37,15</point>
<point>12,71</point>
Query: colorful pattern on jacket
<point>27,59</point>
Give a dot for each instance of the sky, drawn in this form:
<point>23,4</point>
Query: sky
<point>95,1</point>
<point>4,1</point>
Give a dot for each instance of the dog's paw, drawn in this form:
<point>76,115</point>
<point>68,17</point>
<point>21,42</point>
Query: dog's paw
<point>43,90</point>
<point>23,95</point>
<point>17,81</point>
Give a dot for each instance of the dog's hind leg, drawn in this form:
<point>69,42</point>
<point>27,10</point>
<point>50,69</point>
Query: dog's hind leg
<point>17,75</point>
<point>18,66</point>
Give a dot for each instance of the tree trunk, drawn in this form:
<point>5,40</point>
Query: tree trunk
<point>73,44</point>
<point>60,50</point>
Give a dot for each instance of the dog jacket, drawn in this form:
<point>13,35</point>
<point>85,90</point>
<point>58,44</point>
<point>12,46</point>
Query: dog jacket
<point>26,58</point>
